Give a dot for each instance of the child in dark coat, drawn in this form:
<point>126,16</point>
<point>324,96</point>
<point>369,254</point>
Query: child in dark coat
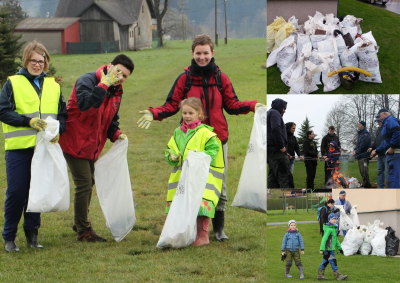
<point>291,243</point>
<point>332,159</point>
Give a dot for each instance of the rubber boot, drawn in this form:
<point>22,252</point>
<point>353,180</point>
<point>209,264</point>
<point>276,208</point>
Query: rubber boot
<point>301,272</point>
<point>287,273</point>
<point>339,276</point>
<point>31,239</point>
<point>218,226</point>
<point>202,231</point>
<point>10,246</point>
<point>321,274</point>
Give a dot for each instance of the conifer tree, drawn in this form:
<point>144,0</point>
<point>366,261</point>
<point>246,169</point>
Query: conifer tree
<point>302,134</point>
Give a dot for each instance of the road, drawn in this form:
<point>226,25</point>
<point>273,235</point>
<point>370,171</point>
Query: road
<point>298,222</point>
<point>392,5</point>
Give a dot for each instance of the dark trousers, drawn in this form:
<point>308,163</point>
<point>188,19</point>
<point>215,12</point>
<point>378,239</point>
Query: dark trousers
<point>279,175</point>
<point>18,170</point>
<point>363,164</point>
<point>311,169</point>
<point>328,173</point>
<point>82,171</point>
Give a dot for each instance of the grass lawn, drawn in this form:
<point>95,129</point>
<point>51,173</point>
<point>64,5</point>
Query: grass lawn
<point>301,215</point>
<point>300,175</point>
<point>384,26</point>
<point>359,268</point>
<point>136,258</point>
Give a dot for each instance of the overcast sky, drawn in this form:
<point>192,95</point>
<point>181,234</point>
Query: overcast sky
<point>315,107</point>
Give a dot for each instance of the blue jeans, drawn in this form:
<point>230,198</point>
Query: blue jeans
<point>393,176</point>
<point>329,258</point>
<point>382,169</point>
<point>291,165</point>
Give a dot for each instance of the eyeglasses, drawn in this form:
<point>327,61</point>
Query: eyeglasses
<point>34,62</point>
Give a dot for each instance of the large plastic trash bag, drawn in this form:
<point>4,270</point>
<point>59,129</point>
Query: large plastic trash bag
<point>114,190</point>
<point>348,58</point>
<point>294,21</point>
<point>392,242</point>
<point>272,29</point>
<point>305,84</point>
<point>352,242</point>
<point>282,34</point>
<point>302,39</point>
<point>49,186</point>
<point>252,188</point>
<point>180,226</point>
<point>317,59</point>
<point>366,247</point>
<point>345,221</point>
<point>288,56</point>
<point>296,69</point>
<point>378,243</point>
<point>354,216</point>
<point>332,82</point>
<point>368,60</point>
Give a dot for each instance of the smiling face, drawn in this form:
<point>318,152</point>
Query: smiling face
<point>293,128</point>
<point>189,114</point>
<point>292,226</point>
<point>202,54</point>
<point>311,136</point>
<point>123,69</point>
<point>37,69</point>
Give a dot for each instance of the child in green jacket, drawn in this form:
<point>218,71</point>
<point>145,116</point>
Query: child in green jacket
<point>328,245</point>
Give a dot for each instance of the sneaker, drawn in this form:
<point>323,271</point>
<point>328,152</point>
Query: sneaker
<point>90,236</point>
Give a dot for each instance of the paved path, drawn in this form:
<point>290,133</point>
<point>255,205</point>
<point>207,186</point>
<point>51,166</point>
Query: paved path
<point>392,5</point>
<point>298,222</point>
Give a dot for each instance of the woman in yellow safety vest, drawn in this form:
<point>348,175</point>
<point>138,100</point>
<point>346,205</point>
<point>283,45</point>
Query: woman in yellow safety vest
<point>26,100</point>
<point>193,135</point>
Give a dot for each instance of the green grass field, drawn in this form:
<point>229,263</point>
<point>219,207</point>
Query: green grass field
<point>359,268</point>
<point>136,258</point>
<point>383,25</point>
<point>301,215</point>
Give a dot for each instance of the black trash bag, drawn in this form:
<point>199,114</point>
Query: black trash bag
<point>392,242</point>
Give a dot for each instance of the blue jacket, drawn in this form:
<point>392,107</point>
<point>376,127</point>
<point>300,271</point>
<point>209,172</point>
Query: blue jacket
<point>378,140</point>
<point>332,158</point>
<point>390,134</point>
<point>292,242</point>
<point>276,129</point>
<point>346,205</point>
<point>363,143</point>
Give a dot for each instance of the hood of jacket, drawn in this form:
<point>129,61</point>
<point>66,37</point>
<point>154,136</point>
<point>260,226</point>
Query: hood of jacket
<point>288,126</point>
<point>278,104</point>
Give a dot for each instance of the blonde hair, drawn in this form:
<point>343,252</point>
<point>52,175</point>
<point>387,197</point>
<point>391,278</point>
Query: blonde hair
<point>196,104</point>
<point>39,48</point>
<point>203,39</point>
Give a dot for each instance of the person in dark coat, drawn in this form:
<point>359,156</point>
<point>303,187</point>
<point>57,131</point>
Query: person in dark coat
<point>328,208</point>
<point>311,158</point>
<point>361,154</point>
<point>326,140</point>
<point>279,175</point>
<point>382,165</point>
<point>293,146</point>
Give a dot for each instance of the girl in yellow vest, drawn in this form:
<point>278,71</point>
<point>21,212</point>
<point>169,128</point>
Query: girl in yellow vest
<point>193,135</point>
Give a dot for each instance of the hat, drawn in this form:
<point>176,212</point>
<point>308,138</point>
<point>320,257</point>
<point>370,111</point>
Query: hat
<point>380,111</point>
<point>291,221</point>
<point>330,216</point>
<point>363,123</point>
<point>342,193</point>
<point>332,143</point>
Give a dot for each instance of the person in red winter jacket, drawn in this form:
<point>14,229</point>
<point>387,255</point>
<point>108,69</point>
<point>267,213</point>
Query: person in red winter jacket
<point>203,79</point>
<point>92,118</point>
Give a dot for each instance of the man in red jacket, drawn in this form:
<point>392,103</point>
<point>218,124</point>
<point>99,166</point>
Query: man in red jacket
<point>92,118</point>
<point>203,79</point>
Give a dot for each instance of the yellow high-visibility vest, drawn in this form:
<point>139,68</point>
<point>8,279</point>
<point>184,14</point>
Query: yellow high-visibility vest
<point>215,175</point>
<point>28,103</point>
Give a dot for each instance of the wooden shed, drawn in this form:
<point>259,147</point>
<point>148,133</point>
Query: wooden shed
<point>126,21</point>
<point>54,33</point>
<point>301,9</point>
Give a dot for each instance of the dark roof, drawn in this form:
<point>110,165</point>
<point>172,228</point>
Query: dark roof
<point>45,23</point>
<point>125,12</point>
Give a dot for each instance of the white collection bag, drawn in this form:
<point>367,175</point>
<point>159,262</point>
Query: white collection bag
<point>341,45</point>
<point>49,187</point>
<point>317,60</point>
<point>180,226</point>
<point>368,60</point>
<point>274,59</point>
<point>305,84</point>
<point>352,242</point>
<point>354,216</point>
<point>332,82</point>
<point>366,247</point>
<point>295,70</point>
<point>302,39</point>
<point>378,244</point>
<point>252,188</point>
<point>345,221</point>
<point>348,58</point>
<point>114,190</point>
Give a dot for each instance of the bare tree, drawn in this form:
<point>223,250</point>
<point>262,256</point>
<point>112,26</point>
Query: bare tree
<point>160,9</point>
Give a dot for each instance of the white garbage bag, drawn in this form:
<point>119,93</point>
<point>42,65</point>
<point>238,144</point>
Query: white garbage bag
<point>329,45</point>
<point>377,227</point>
<point>345,221</point>
<point>341,45</point>
<point>357,43</point>
<point>114,190</point>
<point>317,38</point>
<point>295,70</point>
<point>332,82</point>
<point>180,226</point>
<point>252,188</point>
<point>305,84</point>
<point>378,243</point>
<point>351,30</point>
<point>352,242</point>
<point>354,216</point>
<point>49,187</point>
<point>366,247</point>
<point>368,60</point>
<point>302,39</point>
<point>348,58</point>
<point>294,21</point>
<point>369,37</point>
<point>288,56</point>
<point>317,59</point>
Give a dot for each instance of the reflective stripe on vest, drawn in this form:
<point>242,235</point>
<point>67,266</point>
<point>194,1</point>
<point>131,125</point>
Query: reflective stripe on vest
<point>27,103</point>
<point>213,187</point>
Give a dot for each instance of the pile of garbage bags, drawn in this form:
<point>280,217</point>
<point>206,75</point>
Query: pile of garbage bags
<point>367,239</point>
<point>323,44</point>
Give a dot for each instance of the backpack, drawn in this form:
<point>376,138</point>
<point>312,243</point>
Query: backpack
<point>189,83</point>
<point>319,212</point>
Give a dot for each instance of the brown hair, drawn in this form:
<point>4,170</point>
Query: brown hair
<point>331,128</point>
<point>39,48</point>
<point>202,39</point>
<point>196,104</point>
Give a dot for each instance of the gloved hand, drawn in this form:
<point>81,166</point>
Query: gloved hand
<point>55,139</point>
<point>173,157</point>
<point>38,124</point>
<point>341,251</point>
<point>258,105</point>
<point>122,137</point>
<point>283,257</point>
<point>113,75</point>
<point>145,121</point>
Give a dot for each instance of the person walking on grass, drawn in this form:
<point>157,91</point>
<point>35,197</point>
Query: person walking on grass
<point>328,246</point>
<point>92,118</point>
<point>203,79</point>
<point>292,145</point>
<point>195,136</point>
<point>311,158</point>
<point>361,154</point>
<point>382,165</point>
<point>291,243</point>
<point>26,100</point>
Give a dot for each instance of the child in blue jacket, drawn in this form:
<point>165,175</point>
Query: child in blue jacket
<point>291,243</point>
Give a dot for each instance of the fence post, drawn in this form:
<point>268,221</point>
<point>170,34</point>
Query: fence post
<point>283,201</point>
<point>319,201</point>
<point>295,203</point>
<point>307,201</point>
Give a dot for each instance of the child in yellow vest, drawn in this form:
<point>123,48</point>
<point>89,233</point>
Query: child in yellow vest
<point>193,135</point>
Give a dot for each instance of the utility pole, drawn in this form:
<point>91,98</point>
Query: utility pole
<point>226,25</point>
<point>216,29</point>
<point>182,2</point>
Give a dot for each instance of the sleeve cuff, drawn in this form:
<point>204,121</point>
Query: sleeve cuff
<point>116,135</point>
<point>25,121</point>
<point>103,86</point>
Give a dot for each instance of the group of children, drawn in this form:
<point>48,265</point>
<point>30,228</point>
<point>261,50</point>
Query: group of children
<point>292,241</point>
